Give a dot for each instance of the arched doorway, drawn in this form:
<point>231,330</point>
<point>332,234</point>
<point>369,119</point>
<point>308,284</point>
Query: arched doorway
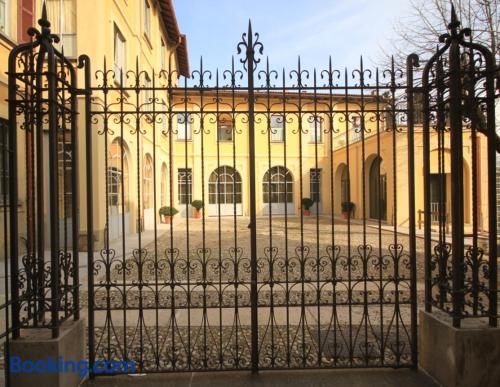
<point>164,178</point>
<point>118,189</point>
<point>224,192</point>
<point>378,190</point>
<point>147,192</point>
<point>277,187</point>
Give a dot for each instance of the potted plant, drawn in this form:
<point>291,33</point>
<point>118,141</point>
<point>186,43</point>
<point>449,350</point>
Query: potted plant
<point>307,203</point>
<point>197,205</point>
<point>347,208</point>
<point>166,214</point>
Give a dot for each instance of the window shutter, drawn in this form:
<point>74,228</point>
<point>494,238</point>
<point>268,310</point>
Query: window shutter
<point>26,19</point>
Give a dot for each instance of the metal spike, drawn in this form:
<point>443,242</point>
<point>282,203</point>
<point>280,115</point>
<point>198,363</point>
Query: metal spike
<point>44,11</point>
<point>454,18</point>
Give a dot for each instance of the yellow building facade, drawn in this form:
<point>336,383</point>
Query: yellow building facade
<point>197,148</point>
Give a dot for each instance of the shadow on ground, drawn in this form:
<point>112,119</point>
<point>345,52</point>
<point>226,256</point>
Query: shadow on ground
<point>322,378</point>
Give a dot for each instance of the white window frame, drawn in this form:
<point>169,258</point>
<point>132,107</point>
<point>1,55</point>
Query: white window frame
<point>225,186</point>
<point>184,130</point>
<point>277,127</point>
<point>184,180</point>
<point>278,183</point>
<point>119,55</point>
<point>6,14</point>
<point>147,19</point>
<point>147,182</point>
<point>227,129</point>
<point>57,29</point>
<point>315,184</point>
<point>315,126</point>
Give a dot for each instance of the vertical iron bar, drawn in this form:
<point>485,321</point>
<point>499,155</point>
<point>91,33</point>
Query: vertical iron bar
<point>54,192</point>
<point>75,197</point>
<point>426,164</point>
<point>250,57</point>
<point>40,221</point>
<point>457,202</point>
<point>411,62</point>
<point>84,62</point>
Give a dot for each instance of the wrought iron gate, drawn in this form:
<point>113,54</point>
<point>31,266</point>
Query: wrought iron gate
<point>255,283</point>
<point>305,254</point>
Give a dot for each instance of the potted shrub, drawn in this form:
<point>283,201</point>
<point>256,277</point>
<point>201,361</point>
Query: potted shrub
<point>197,205</point>
<point>307,203</point>
<point>347,208</point>
<point>166,214</point>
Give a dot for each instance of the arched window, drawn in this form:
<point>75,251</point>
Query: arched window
<point>147,182</point>
<point>118,175</point>
<point>224,186</point>
<point>278,185</point>
<point>164,177</point>
<point>344,183</point>
<point>378,190</point>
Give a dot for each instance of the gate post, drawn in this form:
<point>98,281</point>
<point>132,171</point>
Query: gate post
<point>45,291</point>
<point>462,84</point>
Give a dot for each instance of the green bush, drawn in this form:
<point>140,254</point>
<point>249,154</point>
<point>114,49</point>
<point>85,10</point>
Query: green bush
<point>197,204</point>
<point>168,211</point>
<point>307,203</point>
<point>347,206</point>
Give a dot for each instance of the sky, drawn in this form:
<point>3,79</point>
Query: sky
<point>313,29</point>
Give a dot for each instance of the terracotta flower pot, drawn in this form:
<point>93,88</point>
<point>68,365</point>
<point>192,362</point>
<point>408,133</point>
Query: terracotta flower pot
<point>307,212</point>
<point>345,215</point>
<point>197,214</point>
<point>168,219</point>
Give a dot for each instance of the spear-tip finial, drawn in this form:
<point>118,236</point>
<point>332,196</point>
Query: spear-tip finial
<point>44,21</point>
<point>454,22</point>
<point>454,17</point>
<point>44,10</point>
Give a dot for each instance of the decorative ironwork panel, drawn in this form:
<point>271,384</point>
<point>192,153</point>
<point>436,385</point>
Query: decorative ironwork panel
<point>458,83</point>
<point>42,127</point>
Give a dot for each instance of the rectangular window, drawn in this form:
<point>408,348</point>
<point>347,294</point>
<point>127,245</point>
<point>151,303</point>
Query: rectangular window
<point>184,185</point>
<point>163,53</point>
<point>184,121</point>
<point>4,162</point>
<point>148,92</point>
<point>224,129</point>
<point>355,129</point>
<point>315,129</point>
<point>119,64</point>
<point>3,16</point>
<point>62,16</point>
<point>277,127</point>
<point>315,181</point>
<point>438,195</point>
<point>147,19</point>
